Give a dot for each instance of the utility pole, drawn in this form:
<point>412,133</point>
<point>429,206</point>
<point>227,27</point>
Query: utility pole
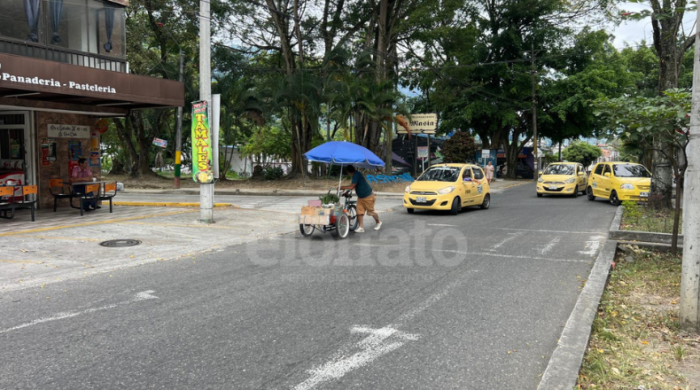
<point>690,276</point>
<point>178,133</point>
<point>206,190</point>
<point>534,111</point>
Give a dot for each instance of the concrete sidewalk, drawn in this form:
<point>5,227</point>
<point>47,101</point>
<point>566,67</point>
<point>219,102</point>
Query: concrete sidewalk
<point>67,247</point>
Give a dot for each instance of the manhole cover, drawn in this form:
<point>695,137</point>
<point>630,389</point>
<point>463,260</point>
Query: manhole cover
<point>120,243</point>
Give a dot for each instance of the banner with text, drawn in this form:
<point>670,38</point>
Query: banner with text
<point>202,170</point>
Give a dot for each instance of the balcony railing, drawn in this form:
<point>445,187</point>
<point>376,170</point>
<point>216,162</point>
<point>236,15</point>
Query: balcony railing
<point>60,54</point>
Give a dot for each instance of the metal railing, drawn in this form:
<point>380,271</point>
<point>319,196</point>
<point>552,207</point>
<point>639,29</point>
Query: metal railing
<point>60,54</point>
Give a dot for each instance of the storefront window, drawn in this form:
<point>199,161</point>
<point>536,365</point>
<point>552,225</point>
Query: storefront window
<point>67,24</point>
<point>107,29</point>
<point>90,26</point>
<point>21,19</point>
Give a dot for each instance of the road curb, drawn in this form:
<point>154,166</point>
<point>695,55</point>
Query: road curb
<point>618,234</point>
<point>565,363</point>
<point>170,204</point>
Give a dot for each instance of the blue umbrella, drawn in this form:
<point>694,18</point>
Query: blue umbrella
<point>344,153</point>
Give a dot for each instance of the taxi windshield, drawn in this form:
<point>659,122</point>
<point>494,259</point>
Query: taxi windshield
<point>629,170</point>
<point>449,174</point>
<point>559,169</point>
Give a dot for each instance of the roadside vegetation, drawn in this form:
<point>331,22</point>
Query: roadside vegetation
<point>636,342</point>
<point>642,218</point>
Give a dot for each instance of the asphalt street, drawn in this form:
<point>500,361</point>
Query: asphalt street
<point>473,301</point>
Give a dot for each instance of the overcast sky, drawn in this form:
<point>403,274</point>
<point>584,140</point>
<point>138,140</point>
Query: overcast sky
<point>632,32</point>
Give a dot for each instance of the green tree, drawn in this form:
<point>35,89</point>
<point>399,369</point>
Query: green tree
<point>477,72</point>
<point>268,143</point>
<point>460,148</point>
<point>670,44</point>
<point>650,122</point>
<point>582,152</point>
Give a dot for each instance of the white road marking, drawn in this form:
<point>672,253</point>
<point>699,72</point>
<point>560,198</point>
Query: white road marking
<point>500,244</point>
<point>549,231</point>
<point>142,296</point>
<point>592,246</point>
<point>551,245</point>
<point>378,342</point>
<point>473,253</point>
<point>416,249</point>
<point>530,257</point>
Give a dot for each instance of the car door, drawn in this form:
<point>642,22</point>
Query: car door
<point>580,177</point>
<point>468,187</point>
<point>605,181</point>
<point>479,180</point>
<point>595,179</point>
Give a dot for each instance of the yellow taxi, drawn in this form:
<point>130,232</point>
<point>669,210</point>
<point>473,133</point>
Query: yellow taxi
<point>562,178</point>
<point>448,187</point>
<point>619,181</point>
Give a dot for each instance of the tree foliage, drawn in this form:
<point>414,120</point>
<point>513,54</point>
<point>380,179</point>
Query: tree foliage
<point>460,148</point>
<point>654,123</point>
<point>582,152</point>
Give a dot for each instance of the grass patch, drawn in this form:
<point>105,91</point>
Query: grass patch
<point>646,219</point>
<point>636,340</point>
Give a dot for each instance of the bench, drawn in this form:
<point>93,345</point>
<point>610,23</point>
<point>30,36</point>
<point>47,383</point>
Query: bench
<point>109,192</point>
<point>57,188</point>
<point>28,201</point>
<point>86,197</point>
<point>7,202</point>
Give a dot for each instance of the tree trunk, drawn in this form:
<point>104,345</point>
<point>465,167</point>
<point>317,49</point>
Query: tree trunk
<point>677,212</point>
<point>666,20</point>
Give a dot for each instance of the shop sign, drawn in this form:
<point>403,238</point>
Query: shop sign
<point>202,170</point>
<point>422,152</point>
<point>486,153</point>
<point>37,75</point>
<point>68,131</point>
<point>420,123</point>
<point>102,126</point>
<point>160,143</point>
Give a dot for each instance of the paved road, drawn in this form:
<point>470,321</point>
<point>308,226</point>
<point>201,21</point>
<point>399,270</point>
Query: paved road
<point>473,301</point>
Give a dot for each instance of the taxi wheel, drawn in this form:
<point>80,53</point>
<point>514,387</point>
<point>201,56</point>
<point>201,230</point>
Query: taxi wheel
<point>456,206</point>
<point>589,192</point>
<point>410,211</point>
<point>540,195</point>
<point>575,194</point>
<point>614,200</point>
<point>487,202</point>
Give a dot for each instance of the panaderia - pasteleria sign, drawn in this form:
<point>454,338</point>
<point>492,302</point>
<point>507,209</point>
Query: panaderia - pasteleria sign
<point>202,170</point>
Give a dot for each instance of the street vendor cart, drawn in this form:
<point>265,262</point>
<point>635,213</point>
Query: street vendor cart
<point>335,216</point>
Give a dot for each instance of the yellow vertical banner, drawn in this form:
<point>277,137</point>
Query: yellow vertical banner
<point>202,170</point>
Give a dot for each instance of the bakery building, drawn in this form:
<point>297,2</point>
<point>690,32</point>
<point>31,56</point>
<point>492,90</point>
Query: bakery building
<point>63,74</point>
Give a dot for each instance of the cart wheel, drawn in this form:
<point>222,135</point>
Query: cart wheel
<point>342,226</point>
<point>306,230</point>
<point>352,216</point>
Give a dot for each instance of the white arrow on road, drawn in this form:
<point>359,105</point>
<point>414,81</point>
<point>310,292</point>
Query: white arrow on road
<point>142,296</point>
<point>378,342</point>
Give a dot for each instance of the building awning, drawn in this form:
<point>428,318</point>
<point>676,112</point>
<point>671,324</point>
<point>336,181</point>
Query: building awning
<point>53,86</point>
<point>120,2</point>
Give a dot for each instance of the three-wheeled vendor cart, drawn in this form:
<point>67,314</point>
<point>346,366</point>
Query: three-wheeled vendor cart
<point>341,217</point>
